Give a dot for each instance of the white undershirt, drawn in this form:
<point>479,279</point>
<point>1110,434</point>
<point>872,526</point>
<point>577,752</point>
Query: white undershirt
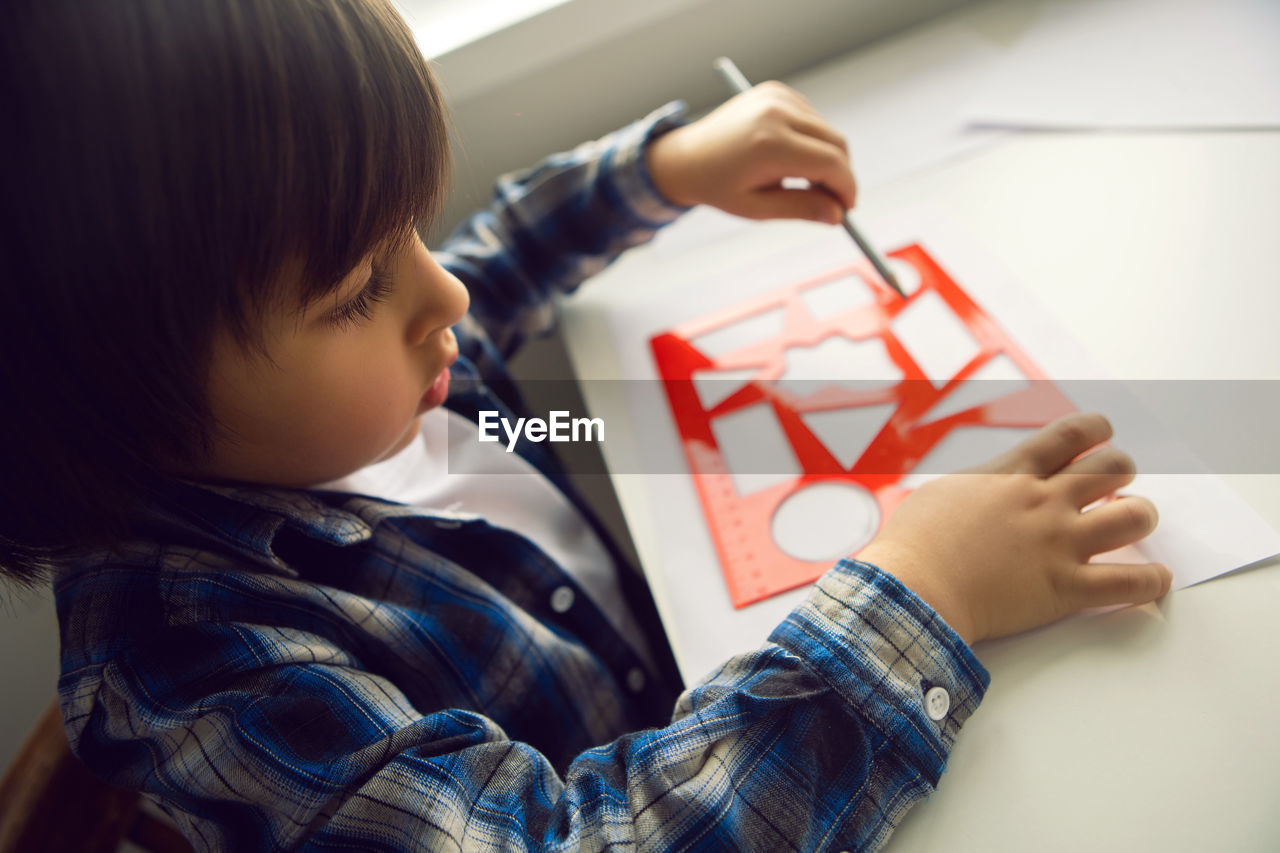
<point>505,491</point>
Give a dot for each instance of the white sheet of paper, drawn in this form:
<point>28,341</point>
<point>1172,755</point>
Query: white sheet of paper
<point>1206,530</point>
<point>1139,64</point>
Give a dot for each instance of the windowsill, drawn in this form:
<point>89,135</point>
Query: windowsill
<point>478,46</point>
<point>443,26</point>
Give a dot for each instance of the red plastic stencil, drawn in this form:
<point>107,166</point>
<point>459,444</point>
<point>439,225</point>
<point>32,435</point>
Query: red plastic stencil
<point>917,387</point>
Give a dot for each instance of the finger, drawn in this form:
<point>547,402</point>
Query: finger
<point>813,125</point>
<point>776,102</point>
<point>786,94</point>
<point>1115,524</point>
<point>1104,584</point>
<point>816,160</point>
<point>1096,475</point>
<point>780,203</point>
<point>1054,446</point>
<point>792,107</point>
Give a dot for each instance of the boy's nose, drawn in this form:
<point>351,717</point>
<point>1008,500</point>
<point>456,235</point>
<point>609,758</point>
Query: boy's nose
<point>444,302</point>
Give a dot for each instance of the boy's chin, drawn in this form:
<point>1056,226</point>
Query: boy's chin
<point>410,433</point>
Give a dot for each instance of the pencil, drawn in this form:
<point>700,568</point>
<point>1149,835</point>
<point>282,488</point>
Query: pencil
<point>735,80</point>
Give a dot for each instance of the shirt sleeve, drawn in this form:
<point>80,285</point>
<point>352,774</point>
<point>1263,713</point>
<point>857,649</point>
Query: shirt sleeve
<point>820,740</point>
<point>552,226</point>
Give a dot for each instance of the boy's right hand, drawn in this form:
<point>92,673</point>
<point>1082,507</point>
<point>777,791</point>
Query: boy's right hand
<point>1005,547</point>
<point>738,156</point>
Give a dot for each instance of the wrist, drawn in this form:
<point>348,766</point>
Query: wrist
<point>921,576</point>
<point>665,158</point>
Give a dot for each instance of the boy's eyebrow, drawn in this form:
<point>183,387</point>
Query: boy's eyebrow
<point>305,307</point>
<point>350,285</point>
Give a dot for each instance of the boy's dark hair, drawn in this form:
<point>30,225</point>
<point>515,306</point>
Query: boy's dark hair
<point>165,161</point>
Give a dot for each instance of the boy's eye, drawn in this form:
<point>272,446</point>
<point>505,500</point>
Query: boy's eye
<point>360,308</point>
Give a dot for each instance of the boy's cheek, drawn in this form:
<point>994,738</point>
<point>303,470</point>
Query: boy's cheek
<point>307,427</point>
<point>367,421</point>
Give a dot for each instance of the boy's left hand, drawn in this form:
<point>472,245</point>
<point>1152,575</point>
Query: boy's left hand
<point>735,158</point>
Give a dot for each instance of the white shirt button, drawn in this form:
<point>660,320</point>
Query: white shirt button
<point>937,702</point>
<point>635,679</point>
<point>562,599</point>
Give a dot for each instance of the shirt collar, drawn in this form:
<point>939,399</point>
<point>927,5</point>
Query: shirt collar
<point>247,518</point>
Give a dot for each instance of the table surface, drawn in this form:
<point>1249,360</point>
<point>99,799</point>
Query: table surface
<point>1146,728</point>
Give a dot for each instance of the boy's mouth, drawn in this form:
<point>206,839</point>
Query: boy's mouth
<point>438,391</point>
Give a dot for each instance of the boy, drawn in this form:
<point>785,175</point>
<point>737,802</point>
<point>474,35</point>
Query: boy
<point>217,309</point>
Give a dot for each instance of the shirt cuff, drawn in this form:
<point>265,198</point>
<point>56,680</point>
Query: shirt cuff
<point>890,656</point>
<point>629,172</point>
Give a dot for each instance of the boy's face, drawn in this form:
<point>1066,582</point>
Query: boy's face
<point>344,382</point>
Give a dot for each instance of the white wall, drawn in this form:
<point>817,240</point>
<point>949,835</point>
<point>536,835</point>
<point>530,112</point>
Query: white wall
<point>28,665</point>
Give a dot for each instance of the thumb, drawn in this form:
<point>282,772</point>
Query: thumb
<point>781,203</point>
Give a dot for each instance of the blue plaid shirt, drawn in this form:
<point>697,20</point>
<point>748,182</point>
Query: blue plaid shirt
<point>303,669</point>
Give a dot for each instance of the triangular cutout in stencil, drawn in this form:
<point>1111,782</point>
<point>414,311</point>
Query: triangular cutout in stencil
<point>936,338</point>
<point>847,432</point>
<point>716,386</point>
<point>754,448</point>
<point>998,378</point>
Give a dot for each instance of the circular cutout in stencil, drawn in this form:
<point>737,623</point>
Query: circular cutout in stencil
<point>825,521</point>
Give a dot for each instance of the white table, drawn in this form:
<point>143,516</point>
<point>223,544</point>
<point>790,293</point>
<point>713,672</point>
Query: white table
<point>1149,728</point>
